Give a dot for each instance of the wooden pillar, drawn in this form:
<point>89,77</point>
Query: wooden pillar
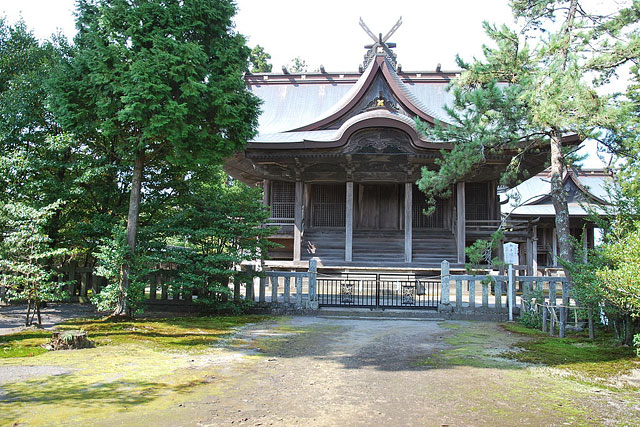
<point>534,251</point>
<point>554,247</point>
<point>297,226</point>
<point>585,245</point>
<point>461,226</point>
<point>266,192</point>
<point>529,254</point>
<point>408,224</point>
<point>348,224</point>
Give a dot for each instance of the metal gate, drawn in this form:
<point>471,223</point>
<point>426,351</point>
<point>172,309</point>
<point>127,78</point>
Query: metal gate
<point>378,291</point>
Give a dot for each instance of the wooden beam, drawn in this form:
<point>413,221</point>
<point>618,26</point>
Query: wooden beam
<point>348,224</point>
<point>297,226</point>
<point>461,224</point>
<point>408,224</point>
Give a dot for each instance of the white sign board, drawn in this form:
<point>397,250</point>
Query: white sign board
<point>511,253</point>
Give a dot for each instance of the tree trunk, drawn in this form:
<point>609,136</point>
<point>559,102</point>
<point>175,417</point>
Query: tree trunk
<point>26,320</point>
<point>37,311</point>
<point>559,200</point>
<point>122,308</point>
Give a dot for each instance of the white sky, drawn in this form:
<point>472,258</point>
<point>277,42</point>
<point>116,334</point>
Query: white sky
<point>327,31</point>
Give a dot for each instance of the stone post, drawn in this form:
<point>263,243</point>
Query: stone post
<point>313,292</point>
<point>274,289</point>
<point>445,279</point>
<point>298,292</point>
<point>511,292</point>
<point>287,290</point>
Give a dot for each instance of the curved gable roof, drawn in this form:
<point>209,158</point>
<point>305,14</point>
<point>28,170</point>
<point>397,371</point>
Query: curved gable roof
<point>403,94</point>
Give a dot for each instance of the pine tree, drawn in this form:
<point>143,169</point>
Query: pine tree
<point>532,94</point>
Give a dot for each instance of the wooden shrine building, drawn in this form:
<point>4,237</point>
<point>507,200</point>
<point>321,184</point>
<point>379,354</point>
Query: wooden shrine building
<point>338,156</point>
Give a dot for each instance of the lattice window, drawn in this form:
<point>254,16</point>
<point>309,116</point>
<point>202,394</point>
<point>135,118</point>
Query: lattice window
<point>283,200</point>
<point>420,220</point>
<point>328,203</point>
<point>477,200</point>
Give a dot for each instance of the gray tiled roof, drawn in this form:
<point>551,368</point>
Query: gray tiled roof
<point>289,105</point>
<point>534,189</point>
<point>285,106</point>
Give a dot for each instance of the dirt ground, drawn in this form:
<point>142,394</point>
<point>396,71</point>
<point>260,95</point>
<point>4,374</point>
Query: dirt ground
<point>12,316</point>
<point>316,371</point>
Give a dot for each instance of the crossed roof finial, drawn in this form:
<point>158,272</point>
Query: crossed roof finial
<point>380,42</point>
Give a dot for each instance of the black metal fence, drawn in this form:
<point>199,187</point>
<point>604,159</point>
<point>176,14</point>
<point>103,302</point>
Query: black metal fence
<point>378,291</point>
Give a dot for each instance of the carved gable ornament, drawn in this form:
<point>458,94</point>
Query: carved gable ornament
<point>379,141</point>
<point>382,102</point>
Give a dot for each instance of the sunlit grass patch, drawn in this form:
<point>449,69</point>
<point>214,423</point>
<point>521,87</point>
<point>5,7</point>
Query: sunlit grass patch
<point>587,359</point>
<point>185,333</point>
<point>23,344</point>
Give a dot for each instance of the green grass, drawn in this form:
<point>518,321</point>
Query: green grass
<point>600,358</point>
<point>184,333</point>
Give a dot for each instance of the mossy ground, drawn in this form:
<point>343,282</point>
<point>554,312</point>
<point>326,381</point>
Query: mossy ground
<point>24,344</point>
<point>142,363</point>
<point>588,360</point>
<point>193,334</point>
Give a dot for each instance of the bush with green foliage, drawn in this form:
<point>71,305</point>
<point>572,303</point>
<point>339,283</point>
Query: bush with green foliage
<point>611,280</point>
<point>25,253</point>
<point>216,227</point>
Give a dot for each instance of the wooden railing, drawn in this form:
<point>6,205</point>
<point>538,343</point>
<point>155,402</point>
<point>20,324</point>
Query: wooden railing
<point>491,225</point>
<point>279,221</point>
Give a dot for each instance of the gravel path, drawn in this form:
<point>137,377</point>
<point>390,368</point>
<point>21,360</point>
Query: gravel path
<point>355,372</point>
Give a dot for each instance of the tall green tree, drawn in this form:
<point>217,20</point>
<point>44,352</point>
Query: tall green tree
<point>39,162</point>
<point>161,81</point>
<point>260,60</point>
<point>532,91</point>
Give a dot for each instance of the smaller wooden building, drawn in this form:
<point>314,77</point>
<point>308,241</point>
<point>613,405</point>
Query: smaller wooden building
<point>586,193</point>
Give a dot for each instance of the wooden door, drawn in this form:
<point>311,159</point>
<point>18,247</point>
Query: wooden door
<point>379,207</point>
